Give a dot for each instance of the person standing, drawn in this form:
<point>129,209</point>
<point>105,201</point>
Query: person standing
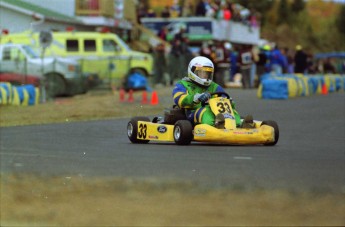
<point>278,61</point>
<point>222,63</point>
<point>261,65</point>
<point>245,60</point>
<point>174,59</point>
<point>300,60</point>
<point>165,12</point>
<point>160,63</point>
<point>200,9</point>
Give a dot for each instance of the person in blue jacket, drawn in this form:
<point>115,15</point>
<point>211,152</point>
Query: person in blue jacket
<point>278,61</point>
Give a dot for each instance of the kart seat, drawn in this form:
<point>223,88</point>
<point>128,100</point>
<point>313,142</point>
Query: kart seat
<point>174,114</point>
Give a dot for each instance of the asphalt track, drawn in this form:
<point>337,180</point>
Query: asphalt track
<point>308,156</point>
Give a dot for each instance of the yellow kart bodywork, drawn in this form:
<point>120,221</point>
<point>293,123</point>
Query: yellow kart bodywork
<point>206,133</point>
<point>260,135</point>
<point>231,134</point>
<point>141,130</point>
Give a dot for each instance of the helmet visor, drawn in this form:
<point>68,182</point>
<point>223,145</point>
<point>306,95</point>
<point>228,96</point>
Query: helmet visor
<point>204,72</point>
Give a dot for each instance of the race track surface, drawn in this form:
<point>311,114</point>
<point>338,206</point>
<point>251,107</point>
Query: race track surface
<point>308,156</point>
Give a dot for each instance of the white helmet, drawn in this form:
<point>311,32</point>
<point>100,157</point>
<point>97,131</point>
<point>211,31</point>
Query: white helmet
<point>200,70</point>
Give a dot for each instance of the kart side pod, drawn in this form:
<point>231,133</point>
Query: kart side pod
<point>238,136</point>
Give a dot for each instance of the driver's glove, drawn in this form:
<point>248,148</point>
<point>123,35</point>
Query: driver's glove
<point>203,98</point>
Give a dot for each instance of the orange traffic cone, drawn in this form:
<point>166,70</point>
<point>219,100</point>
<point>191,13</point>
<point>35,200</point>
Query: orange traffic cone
<point>122,95</point>
<point>154,98</point>
<point>324,89</point>
<point>130,96</point>
<point>144,98</point>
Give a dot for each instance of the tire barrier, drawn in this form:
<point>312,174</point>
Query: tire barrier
<point>5,93</point>
<point>296,85</point>
<point>25,95</point>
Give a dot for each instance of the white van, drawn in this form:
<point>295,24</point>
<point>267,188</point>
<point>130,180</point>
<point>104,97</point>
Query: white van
<point>61,75</point>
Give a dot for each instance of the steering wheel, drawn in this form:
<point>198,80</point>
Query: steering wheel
<point>220,93</point>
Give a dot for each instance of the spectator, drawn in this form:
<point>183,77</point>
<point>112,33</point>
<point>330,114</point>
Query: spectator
<point>186,54</point>
<point>141,12</point>
<point>328,66</point>
<point>253,18</point>
<point>342,67</point>
<point>175,9</point>
<point>261,65</point>
<point>163,33</point>
<point>206,50</point>
<point>300,60</point>
<point>221,62</point>
<point>200,10</point>
<point>174,60</point>
<point>181,35</point>
<point>224,12</point>
<point>165,12</point>
<point>319,66</point>
<point>235,12</point>
<point>311,67</point>
<point>151,13</point>
<point>233,64</point>
<point>278,61</point>
<point>253,69</point>
<point>290,66</point>
<point>245,60</point>
<point>187,10</point>
<point>211,9</point>
<point>178,55</point>
<point>160,63</point>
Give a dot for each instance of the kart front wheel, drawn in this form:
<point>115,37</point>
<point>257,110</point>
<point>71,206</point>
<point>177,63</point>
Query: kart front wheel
<point>274,125</point>
<point>132,130</point>
<point>183,132</point>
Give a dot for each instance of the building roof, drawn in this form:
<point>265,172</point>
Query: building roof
<point>31,9</point>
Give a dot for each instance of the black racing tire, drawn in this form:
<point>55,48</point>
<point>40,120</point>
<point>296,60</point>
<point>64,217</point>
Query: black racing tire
<point>183,132</point>
<point>132,130</point>
<point>276,131</point>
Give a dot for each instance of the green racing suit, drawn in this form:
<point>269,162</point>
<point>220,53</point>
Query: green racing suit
<point>183,95</point>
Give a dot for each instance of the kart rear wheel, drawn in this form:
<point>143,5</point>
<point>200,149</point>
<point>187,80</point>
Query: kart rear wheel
<point>274,125</point>
<point>132,130</point>
<point>183,132</point>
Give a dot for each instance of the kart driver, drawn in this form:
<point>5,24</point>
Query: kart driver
<point>194,90</point>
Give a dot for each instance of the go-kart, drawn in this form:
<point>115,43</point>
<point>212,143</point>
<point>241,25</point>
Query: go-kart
<point>175,127</point>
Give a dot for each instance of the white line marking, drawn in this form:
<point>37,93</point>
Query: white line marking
<point>243,158</point>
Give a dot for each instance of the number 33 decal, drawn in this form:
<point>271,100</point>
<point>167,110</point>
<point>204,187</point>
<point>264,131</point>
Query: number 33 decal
<point>223,107</point>
<point>142,131</point>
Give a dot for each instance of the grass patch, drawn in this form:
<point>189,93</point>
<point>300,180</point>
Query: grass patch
<point>91,106</point>
<point>75,201</point>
